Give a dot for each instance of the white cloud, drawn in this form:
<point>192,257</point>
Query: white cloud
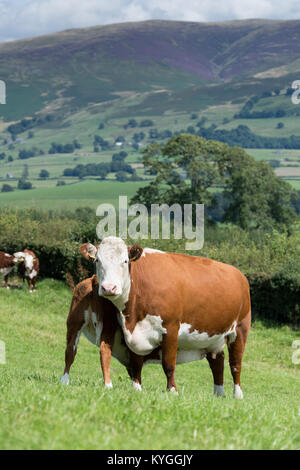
<point>23,18</point>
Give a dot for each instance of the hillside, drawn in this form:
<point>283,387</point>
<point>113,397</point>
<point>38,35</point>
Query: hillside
<point>228,81</point>
<point>71,69</point>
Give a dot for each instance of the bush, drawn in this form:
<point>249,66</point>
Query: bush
<point>6,188</point>
<point>270,261</point>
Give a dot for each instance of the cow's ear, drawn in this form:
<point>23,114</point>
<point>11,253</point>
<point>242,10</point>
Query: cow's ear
<point>88,251</point>
<point>135,252</point>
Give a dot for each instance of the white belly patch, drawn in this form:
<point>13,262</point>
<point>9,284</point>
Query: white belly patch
<point>192,346</point>
<point>6,271</point>
<point>146,336</point>
<point>191,341</point>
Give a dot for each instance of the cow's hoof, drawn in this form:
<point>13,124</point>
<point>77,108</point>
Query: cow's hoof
<point>108,385</point>
<point>237,392</point>
<point>219,391</point>
<point>65,379</point>
<point>173,390</point>
<point>136,386</point>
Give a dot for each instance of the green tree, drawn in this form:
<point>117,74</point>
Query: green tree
<point>189,167</point>
<point>44,174</point>
<point>6,188</point>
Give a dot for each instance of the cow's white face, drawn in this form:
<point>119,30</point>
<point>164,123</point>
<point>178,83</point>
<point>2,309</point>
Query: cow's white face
<point>112,267</point>
<point>112,258</point>
<point>26,258</point>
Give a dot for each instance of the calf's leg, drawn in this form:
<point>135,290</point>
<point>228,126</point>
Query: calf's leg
<point>73,334</point>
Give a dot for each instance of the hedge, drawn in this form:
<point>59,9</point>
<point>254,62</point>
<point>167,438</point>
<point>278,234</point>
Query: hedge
<point>273,297</point>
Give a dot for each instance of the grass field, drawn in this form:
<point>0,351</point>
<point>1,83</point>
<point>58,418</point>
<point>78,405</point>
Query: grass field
<point>89,193</point>
<point>36,412</point>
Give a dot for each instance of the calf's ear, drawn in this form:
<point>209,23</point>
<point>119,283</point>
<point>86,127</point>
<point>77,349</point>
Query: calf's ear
<point>88,251</point>
<point>135,252</point>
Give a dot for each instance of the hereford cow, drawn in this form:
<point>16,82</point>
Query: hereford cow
<point>28,267</point>
<point>189,306</point>
<point>7,264</point>
<point>96,318</point>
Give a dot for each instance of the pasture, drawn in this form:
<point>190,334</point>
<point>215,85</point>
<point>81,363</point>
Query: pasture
<point>89,193</point>
<point>36,412</point>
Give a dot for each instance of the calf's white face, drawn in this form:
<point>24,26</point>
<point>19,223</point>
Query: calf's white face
<point>112,258</point>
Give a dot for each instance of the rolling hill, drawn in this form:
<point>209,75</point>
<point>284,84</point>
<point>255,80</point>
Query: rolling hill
<point>231,80</point>
<point>166,61</point>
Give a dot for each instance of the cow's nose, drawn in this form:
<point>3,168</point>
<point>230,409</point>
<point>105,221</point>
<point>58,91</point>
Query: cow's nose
<point>109,289</point>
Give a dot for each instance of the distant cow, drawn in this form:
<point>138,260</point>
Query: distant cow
<point>96,318</point>
<point>189,306</point>
<point>28,267</point>
<point>7,264</point>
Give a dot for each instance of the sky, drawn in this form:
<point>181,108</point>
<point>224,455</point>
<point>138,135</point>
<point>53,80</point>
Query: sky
<point>27,18</point>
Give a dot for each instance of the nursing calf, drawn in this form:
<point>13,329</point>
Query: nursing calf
<point>189,307</point>
<point>96,318</point>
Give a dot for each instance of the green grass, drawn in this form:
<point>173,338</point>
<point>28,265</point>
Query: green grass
<point>89,193</point>
<point>36,412</point>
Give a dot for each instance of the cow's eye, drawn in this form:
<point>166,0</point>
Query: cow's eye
<point>126,261</point>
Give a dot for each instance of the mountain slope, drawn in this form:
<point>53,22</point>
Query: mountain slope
<point>67,71</point>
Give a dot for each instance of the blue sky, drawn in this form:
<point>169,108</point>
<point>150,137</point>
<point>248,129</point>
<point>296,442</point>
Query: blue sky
<point>26,18</point>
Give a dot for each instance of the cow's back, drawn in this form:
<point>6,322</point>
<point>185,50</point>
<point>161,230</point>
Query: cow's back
<point>206,294</point>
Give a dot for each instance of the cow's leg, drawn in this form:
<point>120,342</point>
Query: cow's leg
<point>217,368</point>
<point>236,351</point>
<point>169,353</point>
<point>29,284</point>
<point>73,335</point>
<point>33,281</point>
<point>6,281</point>
<point>135,370</point>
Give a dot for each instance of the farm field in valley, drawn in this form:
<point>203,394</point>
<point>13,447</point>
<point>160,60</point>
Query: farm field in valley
<point>38,413</point>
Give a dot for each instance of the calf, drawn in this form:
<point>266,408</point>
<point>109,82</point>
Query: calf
<point>28,267</point>
<point>189,306</point>
<point>96,318</point>
<point>7,264</point>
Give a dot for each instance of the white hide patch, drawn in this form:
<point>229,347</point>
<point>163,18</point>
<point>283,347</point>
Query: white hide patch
<point>150,251</point>
<point>65,379</point>
<point>193,346</point>
<point>190,341</point>
<point>32,274</point>
<point>136,386</point>
<point>237,392</point>
<point>6,271</point>
<point>120,350</point>
<point>92,328</point>
<point>219,390</point>
<point>146,336</point>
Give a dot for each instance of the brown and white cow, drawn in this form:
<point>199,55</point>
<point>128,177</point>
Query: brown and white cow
<point>7,264</point>
<point>28,267</point>
<point>189,306</point>
<point>96,318</point>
